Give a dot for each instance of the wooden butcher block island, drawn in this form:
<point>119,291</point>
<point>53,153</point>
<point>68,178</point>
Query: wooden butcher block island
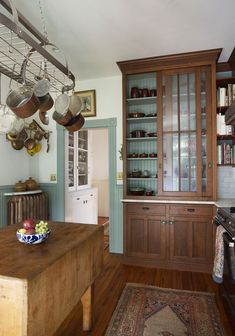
<point>40,284</point>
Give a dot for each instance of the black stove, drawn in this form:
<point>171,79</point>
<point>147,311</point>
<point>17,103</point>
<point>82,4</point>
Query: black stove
<point>226,218</point>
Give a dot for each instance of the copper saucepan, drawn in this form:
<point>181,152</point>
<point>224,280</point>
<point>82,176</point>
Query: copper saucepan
<point>22,101</point>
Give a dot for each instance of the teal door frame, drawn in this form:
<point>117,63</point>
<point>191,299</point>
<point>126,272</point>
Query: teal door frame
<point>110,124</point>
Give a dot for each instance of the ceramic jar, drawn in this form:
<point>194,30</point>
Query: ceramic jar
<point>145,92</point>
<point>20,186</point>
<point>134,92</point>
<point>31,184</point>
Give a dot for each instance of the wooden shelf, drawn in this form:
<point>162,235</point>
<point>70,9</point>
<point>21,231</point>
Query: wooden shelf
<point>222,109</point>
<point>223,82</point>
<point>225,165</point>
<point>225,136</point>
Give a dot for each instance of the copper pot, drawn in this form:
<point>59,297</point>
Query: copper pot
<point>29,143</point>
<point>62,119</point>
<point>75,123</point>
<point>23,102</point>
<point>17,144</point>
<point>46,103</point>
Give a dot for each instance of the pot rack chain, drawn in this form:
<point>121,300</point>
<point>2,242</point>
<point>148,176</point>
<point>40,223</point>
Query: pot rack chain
<point>14,50</point>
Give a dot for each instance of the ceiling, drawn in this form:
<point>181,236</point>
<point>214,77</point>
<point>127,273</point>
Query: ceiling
<point>95,34</point>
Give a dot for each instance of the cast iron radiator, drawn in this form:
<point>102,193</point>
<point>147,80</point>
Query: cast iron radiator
<point>21,207</point>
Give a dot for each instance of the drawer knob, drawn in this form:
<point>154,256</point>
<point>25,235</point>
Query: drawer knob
<point>191,210</point>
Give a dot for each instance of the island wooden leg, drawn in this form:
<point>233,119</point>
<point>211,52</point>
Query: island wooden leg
<point>87,299</point>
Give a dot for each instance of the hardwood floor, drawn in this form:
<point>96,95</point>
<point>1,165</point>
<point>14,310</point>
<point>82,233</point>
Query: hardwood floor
<point>109,285</point>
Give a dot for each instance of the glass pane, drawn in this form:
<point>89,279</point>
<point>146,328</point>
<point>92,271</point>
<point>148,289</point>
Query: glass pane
<point>179,133</point>
<point>203,130</point>
<point>82,171</point>
<point>170,163</point>
<point>71,167</point>
<point>187,102</point>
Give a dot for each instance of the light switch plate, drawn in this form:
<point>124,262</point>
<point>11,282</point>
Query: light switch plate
<point>53,177</point>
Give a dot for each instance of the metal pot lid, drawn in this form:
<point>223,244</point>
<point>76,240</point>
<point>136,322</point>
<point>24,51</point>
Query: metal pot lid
<point>42,87</point>
<point>75,105</point>
<point>62,104</point>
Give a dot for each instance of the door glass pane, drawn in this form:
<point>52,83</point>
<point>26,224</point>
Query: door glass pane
<point>203,130</point>
<point>71,160</point>
<point>179,133</point>
<point>170,163</point>
<point>82,170</point>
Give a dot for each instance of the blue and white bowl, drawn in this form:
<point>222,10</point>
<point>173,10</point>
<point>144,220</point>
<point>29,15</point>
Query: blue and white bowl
<point>36,238</point>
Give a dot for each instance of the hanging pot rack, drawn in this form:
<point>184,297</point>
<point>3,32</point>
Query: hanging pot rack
<point>20,39</point>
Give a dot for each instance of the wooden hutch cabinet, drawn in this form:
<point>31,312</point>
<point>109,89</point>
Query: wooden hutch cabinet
<point>169,153</point>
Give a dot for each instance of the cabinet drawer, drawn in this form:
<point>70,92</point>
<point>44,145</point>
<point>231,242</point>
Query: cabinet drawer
<point>193,210</point>
<point>146,209</point>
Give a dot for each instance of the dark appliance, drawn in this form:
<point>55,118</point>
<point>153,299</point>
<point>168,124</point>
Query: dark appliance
<point>226,218</point>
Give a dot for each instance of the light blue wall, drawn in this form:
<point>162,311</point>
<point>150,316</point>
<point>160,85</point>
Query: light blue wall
<point>56,190</point>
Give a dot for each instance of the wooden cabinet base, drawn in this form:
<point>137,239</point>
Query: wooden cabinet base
<point>169,236</point>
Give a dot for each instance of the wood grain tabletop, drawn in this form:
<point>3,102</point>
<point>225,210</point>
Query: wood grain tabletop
<point>25,261</point>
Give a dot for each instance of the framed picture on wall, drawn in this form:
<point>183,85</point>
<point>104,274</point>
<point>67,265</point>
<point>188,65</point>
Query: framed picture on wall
<point>88,102</point>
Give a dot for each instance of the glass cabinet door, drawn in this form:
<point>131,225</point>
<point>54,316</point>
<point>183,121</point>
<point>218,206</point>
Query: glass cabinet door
<point>184,135</point>
<point>82,154</point>
<point>71,161</point>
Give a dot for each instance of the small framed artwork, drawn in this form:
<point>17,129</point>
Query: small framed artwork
<point>88,102</point>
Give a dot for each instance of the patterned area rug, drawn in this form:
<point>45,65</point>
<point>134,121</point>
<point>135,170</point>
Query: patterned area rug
<point>151,311</point>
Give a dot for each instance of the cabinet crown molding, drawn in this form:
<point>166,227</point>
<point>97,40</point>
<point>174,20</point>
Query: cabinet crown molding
<point>170,61</point>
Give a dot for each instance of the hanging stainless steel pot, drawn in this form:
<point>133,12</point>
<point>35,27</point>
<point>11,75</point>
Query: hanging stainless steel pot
<point>41,90</point>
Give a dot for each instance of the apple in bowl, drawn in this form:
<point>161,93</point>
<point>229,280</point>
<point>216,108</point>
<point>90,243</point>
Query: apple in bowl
<point>32,232</point>
<point>29,224</point>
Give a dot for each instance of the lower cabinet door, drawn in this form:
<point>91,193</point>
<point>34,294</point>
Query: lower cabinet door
<point>191,239</point>
<point>145,236</point>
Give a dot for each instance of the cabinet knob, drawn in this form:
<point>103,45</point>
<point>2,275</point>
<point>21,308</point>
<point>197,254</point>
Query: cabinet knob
<point>145,208</point>
<point>171,222</point>
<point>209,165</point>
<point>78,198</point>
<point>163,222</point>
